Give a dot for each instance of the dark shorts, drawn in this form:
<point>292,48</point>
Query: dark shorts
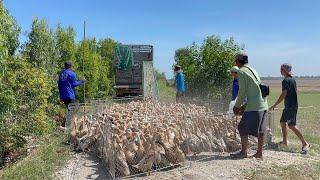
<point>253,123</point>
<point>67,102</point>
<point>289,116</point>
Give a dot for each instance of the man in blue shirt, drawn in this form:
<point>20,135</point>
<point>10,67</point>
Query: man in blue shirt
<point>67,82</point>
<point>179,80</point>
<point>235,84</point>
<point>235,87</point>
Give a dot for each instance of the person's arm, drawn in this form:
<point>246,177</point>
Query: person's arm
<point>74,82</point>
<point>235,90</point>
<point>283,95</point>
<point>178,82</point>
<point>239,108</point>
<point>280,99</point>
<point>242,91</point>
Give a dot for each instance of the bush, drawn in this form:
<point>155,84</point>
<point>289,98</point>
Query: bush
<point>24,104</point>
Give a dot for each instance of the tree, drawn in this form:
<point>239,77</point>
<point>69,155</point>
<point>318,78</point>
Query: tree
<point>206,67</point>
<point>40,47</point>
<point>66,46</point>
<point>98,59</point>
<point>89,59</point>
<point>40,51</point>
<point>9,33</point>
<point>106,50</point>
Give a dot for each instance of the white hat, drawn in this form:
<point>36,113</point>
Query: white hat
<point>234,69</point>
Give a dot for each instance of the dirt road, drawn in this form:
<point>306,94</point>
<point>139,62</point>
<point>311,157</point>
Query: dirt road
<point>217,166</point>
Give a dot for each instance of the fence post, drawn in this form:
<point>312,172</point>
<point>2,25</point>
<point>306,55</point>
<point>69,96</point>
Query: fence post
<point>269,135</point>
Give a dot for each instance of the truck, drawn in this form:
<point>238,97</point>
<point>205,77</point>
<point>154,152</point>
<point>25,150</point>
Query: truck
<point>137,79</point>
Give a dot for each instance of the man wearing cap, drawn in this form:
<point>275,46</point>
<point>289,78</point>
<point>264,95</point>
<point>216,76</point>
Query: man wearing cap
<point>235,84</point>
<point>67,82</point>
<point>235,87</point>
<point>254,111</point>
<point>289,114</point>
<point>179,80</point>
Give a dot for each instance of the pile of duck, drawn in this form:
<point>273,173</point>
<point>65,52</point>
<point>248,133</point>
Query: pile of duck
<point>140,136</point>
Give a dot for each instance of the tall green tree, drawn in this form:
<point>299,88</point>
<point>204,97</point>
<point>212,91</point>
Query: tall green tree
<point>88,59</point>
<point>66,46</point>
<point>9,42</point>
<point>106,50</point>
<point>40,51</point>
<point>9,33</point>
<point>96,58</point>
<point>40,47</point>
<point>206,66</point>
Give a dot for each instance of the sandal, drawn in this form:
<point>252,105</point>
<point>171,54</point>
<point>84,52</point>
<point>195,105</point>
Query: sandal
<point>306,149</point>
<point>282,144</point>
<point>238,155</point>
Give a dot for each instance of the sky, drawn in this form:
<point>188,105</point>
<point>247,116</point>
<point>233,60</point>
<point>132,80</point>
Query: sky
<point>272,32</point>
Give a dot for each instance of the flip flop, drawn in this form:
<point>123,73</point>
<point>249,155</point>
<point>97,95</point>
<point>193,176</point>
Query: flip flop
<point>306,149</point>
<point>238,155</point>
<point>282,144</point>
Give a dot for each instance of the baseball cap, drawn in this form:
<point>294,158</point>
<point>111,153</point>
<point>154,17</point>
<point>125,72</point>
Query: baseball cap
<point>234,69</point>
<point>287,67</point>
<point>242,57</point>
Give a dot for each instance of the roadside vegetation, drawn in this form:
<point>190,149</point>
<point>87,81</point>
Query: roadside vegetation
<point>29,99</point>
<point>166,90</point>
<point>51,154</point>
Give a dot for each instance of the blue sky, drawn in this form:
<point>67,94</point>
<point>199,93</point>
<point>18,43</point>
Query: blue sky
<point>273,31</point>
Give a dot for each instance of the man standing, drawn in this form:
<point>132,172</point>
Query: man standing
<point>235,87</point>
<point>179,80</point>
<point>235,84</point>
<point>289,115</point>
<point>254,112</point>
<point>67,82</point>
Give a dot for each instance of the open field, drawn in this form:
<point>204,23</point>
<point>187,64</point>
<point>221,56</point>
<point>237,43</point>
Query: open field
<point>304,84</point>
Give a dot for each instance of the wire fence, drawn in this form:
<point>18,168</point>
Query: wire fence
<point>140,142</point>
<point>143,143</point>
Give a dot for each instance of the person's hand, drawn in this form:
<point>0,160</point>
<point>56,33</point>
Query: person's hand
<point>236,110</point>
<point>239,110</point>
<point>61,101</point>
<point>83,80</point>
<point>272,108</point>
<point>242,109</point>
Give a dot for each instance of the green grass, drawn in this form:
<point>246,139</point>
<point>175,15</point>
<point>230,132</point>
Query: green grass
<point>166,93</point>
<point>304,98</point>
<point>292,172</point>
<point>42,162</point>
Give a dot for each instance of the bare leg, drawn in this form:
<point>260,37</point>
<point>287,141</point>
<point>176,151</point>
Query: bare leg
<point>298,133</point>
<point>260,146</point>
<point>178,97</point>
<point>284,133</point>
<point>244,144</point>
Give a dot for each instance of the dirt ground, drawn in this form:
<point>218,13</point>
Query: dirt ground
<point>82,166</point>
<point>213,166</point>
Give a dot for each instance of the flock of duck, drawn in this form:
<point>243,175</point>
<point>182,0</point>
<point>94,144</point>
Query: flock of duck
<point>141,136</point>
